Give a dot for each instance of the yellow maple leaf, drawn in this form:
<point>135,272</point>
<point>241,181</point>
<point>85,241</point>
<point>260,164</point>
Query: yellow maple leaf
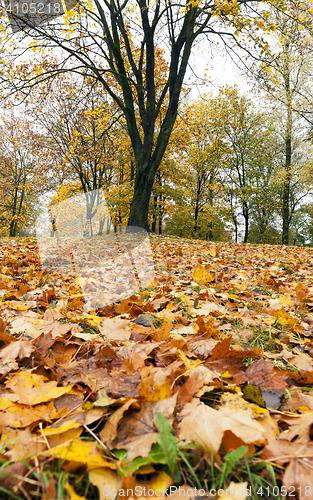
<point>203,274</point>
<point>285,318</point>
<point>84,452</point>
<point>286,299</point>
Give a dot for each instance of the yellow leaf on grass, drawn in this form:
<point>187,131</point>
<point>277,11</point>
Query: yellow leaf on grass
<point>285,318</point>
<point>73,496</point>
<point>103,399</point>
<point>84,452</point>
<point>13,415</point>
<point>63,439</point>
<point>286,299</point>
<point>91,320</point>
<point>21,306</point>
<point>162,480</point>
<point>189,363</point>
<point>186,299</point>
<point>203,274</point>
<point>66,426</point>
<point>154,392</point>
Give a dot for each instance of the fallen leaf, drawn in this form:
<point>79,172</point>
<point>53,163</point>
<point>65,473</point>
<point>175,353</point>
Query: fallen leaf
<point>206,426</point>
<point>32,389</point>
<point>107,482</point>
<point>115,328</point>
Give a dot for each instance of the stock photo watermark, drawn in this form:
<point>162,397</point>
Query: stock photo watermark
<point>110,263</point>
<point>141,491</point>
<point>230,492</point>
<point>23,14</point>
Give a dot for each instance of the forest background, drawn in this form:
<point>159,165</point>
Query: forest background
<point>237,166</point>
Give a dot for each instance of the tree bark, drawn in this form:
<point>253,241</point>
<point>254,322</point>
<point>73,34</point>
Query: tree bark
<point>246,217</point>
<point>140,205</point>
<point>288,153</point>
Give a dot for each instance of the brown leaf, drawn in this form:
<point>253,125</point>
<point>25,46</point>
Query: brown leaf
<point>12,475</point>
<point>206,426</point>
<point>115,328</point>
<point>221,349</point>
<point>299,458</point>
<point>137,432</point>
<point>123,385</point>
<point>262,374</point>
<point>22,444</point>
<point>19,349</point>
<point>300,427</point>
<point>109,431</point>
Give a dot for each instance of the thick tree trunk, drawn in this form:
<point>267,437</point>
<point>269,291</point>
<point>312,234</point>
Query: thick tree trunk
<point>246,217</point>
<point>160,224</point>
<point>13,222</point>
<point>211,200</point>
<point>210,232</point>
<point>140,204</point>
<point>196,217</point>
<point>286,189</point>
<point>236,228</point>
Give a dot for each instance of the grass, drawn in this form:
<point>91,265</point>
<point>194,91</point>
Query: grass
<point>263,340</point>
<point>193,468</point>
<point>262,478</point>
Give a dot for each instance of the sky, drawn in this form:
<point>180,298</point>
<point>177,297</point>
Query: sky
<point>219,69</point>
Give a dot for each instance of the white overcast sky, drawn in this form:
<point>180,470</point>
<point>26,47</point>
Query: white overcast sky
<point>220,71</point>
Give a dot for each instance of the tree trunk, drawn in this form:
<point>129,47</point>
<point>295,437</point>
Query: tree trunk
<point>154,217</point>
<point>210,232</point>
<point>211,200</point>
<point>286,194</point>
<point>287,180</point>
<point>140,204</point>
<point>197,205</point>
<point>236,228</point>
<point>13,222</point>
<point>246,217</point>
<point>160,224</point>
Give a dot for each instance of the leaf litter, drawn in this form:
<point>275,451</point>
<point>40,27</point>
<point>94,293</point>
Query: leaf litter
<point>215,356</point>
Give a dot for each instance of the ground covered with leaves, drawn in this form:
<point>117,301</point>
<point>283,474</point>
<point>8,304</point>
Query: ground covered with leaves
<point>203,380</point>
